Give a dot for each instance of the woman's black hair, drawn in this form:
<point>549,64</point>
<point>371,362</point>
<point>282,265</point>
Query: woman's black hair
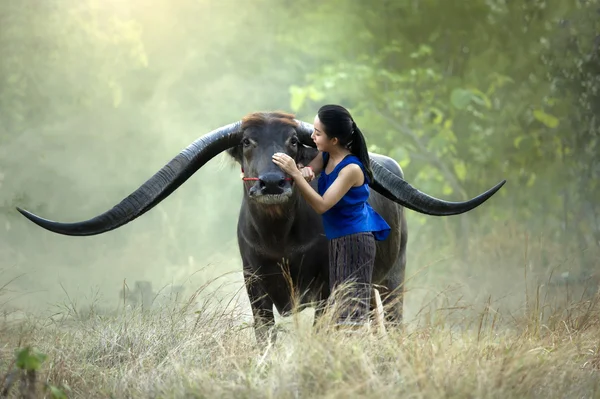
<point>339,123</point>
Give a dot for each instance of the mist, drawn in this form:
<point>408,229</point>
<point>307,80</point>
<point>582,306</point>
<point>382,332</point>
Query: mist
<point>97,96</point>
<point>116,90</point>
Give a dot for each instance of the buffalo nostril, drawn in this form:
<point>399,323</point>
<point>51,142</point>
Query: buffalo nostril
<point>271,183</point>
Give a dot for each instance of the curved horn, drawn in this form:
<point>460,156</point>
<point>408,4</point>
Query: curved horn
<point>304,132</point>
<point>154,190</point>
<point>398,190</point>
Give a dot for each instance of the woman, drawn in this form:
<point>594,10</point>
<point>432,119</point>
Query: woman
<point>351,225</point>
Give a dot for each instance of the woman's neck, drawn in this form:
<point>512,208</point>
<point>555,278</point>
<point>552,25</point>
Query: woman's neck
<point>337,154</point>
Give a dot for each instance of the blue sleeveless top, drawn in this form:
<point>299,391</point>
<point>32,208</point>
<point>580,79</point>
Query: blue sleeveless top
<point>352,214</point>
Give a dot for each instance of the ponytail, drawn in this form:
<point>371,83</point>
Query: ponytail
<point>358,147</point>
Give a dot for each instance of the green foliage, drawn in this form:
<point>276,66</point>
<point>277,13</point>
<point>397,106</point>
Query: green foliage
<point>29,359</point>
<point>57,393</point>
<point>547,119</point>
<point>29,362</point>
<point>470,103</point>
<point>299,95</point>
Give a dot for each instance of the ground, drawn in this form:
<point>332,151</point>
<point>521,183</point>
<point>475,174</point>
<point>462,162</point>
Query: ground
<point>207,349</point>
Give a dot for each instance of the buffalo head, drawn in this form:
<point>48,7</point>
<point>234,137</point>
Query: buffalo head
<point>262,136</point>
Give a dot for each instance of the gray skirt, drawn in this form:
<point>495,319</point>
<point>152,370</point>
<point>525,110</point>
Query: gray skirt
<point>351,261</point>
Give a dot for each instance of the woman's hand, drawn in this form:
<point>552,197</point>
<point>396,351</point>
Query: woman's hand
<point>287,164</point>
<point>307,172</point>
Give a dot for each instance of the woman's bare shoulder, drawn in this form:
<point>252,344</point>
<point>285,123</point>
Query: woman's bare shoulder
<point>352,172</point>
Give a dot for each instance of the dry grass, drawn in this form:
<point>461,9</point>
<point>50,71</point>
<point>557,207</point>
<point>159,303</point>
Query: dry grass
<point>177,351</point>
<point>474,341</point>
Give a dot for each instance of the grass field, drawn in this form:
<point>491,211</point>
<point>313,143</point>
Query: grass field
<point>543,343</point>
<point>176,351</point>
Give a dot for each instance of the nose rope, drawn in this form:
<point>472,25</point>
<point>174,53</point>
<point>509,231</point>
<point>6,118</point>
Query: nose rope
<point>256,178</point>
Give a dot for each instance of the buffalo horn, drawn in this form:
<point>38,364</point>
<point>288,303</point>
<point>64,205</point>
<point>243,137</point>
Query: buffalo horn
<point>155,189</point>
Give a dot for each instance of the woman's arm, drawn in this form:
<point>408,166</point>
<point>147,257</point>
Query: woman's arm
<point>349,176</point>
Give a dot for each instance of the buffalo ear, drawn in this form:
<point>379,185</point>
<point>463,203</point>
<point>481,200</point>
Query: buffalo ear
<point>306,154</point>
<point>235,153</point>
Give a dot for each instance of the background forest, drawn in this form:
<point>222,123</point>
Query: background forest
<point>96,96</point>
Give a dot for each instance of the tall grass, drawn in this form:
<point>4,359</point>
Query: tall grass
<point>182,351</point>
<point>457,344</point>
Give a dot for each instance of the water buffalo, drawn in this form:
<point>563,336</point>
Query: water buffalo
<point>276,226</point>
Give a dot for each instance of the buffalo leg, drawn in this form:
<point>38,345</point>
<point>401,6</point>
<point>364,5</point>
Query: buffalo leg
<point>392,295</point>
<point>393,300</point>
<point>393,304</point>
<point>262,309</point>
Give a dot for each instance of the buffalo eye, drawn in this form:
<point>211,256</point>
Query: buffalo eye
<point>246,142</point>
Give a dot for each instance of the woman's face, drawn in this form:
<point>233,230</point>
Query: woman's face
<point>323,142</point>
